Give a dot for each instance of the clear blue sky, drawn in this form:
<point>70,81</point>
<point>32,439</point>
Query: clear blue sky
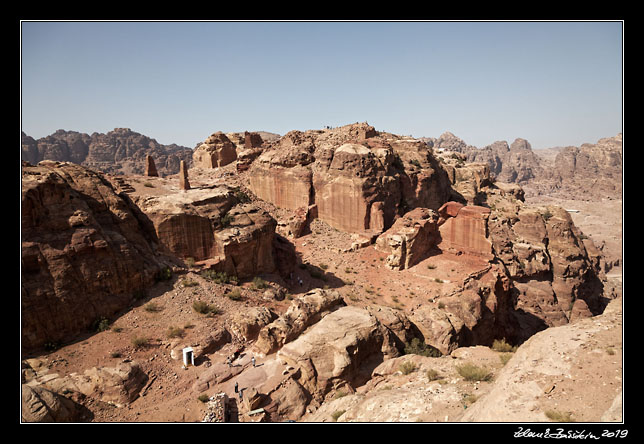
<point>552,83</point>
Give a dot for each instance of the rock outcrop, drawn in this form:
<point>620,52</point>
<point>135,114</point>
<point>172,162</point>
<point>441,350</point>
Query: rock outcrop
<point>216,151</point>
<point>554,369</point>
<point>410,239</point>
<point>86,251</point>
<point>341,349</point>
<point>212,225</point>
<point>303,312</point>
<point>359,180</point>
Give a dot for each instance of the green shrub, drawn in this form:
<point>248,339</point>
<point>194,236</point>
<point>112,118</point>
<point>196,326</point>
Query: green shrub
<point>139,341</point>
<point>471,372</point>
<point>407,367</point>
<point>259,283</point>
<point>417,347</point>
<point>165,274</point>
<point>558,416</point>
<point>175,332</point>
<point>152,307</point>
<point>205,308</point>
<point>203,397</point>
<point>219,277</point>
<point>432,375</point>
<point>335,415</point>
<point>100,324</point>
<point>235,295</point>
<point>501,346</point>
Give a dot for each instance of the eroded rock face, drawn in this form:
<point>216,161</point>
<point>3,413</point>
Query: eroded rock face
<point>359,180</point>
<point>303,312</point>
<point>340,349</point>
<point>211,225</point>
<point>42,405</point>
<point>118,385</point>
<point>85,251</point>
<point>466,231</point>
<point>121,151</point>
<point>410,239</point>
<point>216,151</point>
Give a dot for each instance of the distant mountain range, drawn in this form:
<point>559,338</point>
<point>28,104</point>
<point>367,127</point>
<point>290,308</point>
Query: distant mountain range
<point>121,151</point>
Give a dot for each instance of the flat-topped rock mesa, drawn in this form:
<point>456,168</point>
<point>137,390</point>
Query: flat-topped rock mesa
<point>121,151</point>
<point>358,178</point>
<point>86,251</point>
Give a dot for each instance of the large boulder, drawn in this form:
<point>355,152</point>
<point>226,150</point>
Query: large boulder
<point>410,238</point>
<point>342,348</point>
<point>303,312</point>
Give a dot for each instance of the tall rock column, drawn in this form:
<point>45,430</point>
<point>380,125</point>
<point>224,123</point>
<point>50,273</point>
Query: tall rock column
<point>184,184</point>
<point>150,167</point>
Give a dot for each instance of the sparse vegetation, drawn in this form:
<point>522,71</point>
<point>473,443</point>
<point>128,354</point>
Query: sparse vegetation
<point>140,341</point>
<point>501,345</point>
<point>219,277</point>
<point>203,397</point>
<point>558,416</point>
<point>100,324</point>
<point>175,332</point>
<point>205,308</point>
<point>235,295</point>
<point>259,283</point>
<point>432,375</point>
<point>225,220</point>
<point>471,372</point>
<point>335,415</point>
<point>165,274</point>
<point>152,307</point>
<point>407,367</point>
<point>417,347</point>
<point>505,357</point>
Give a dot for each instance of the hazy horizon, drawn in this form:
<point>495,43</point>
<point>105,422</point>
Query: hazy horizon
<point>551,83</point>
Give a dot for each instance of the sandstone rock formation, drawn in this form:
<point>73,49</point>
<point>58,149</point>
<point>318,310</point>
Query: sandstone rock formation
<point>410,239</point>
<point>150,167</point>
<point>359,179</point>
<point>304,311</point>
<point>118,385</point>
<point>184,183</point>
<point>121,151</point>
<point>211,225</point>
<point>341,349</point>
<point>591,170</point>
<point>39,404</point>
<point>86,251</point>
<point>466,231</point>
<point>550,372</point>
<point>216,151</point>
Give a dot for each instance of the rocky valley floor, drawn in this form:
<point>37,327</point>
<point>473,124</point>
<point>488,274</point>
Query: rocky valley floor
<point>546,379</point>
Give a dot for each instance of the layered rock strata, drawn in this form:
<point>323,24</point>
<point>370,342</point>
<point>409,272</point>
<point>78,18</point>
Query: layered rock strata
<point>359,179</point>
<point>210,224</point>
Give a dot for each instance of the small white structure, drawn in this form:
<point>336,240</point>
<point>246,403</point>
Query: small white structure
<point>188,356</point>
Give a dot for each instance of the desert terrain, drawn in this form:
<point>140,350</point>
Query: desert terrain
<point>325,331</point>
